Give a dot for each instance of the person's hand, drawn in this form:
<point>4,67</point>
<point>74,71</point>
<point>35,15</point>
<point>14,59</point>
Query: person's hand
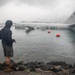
<point>14,40</point>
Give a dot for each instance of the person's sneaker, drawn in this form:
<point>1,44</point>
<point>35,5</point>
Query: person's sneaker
<point>8,69</point>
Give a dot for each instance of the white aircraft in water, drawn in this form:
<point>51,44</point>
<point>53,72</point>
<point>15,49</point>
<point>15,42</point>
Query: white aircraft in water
<point>69,23</point>
<point>40,25</point>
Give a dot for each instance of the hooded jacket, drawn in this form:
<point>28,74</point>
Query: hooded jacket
<point>6,35</point>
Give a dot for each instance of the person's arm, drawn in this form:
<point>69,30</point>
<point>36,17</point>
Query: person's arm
<point>9,37</point>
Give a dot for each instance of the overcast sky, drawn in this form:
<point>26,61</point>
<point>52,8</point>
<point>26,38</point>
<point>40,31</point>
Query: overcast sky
<point>36,10</point>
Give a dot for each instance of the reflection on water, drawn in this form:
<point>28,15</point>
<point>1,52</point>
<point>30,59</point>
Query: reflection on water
<point>41,46</point>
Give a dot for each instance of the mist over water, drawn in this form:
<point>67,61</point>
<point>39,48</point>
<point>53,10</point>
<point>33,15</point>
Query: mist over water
<point>39,45</point>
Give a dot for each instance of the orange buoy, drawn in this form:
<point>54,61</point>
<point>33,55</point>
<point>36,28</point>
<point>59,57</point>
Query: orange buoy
<point>57,35</point>
<point>49,31</point>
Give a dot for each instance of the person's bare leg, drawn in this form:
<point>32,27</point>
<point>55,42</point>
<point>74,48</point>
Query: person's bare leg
<point>7,60</point>
<point>8,66</point>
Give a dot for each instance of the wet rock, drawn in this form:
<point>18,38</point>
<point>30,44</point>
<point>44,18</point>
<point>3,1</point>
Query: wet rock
<point>43,67</point>
<point>34,65</point>
<point>46,67</point>
<point>20,63</point>
<point>40,64</point>
<point>2,66</point>
<point>30,65</point>
<point>73,72</point>
<point>32,69</point>
<point>56,69</point>
<point>19,68</point>
<point>63,73</point>
<point>74,64</point>
<point>68,66</point>
<point>61,63</point>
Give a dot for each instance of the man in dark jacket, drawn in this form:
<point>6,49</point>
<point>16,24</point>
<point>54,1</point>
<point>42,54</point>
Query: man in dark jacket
<point>7,41</point>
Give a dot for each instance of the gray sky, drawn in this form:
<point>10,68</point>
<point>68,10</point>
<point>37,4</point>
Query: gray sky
<point>36,10</point>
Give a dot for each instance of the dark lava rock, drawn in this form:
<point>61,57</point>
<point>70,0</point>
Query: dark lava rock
<point>73,72</point>
<point>40,64</point>
<point>19,68</point>
<point>74,64</point>
<point>69,66</point>
<point>61,63</point>
<point>2,66</point>
<point>20,63</point>
<point>30,65</point>
<point>33,69</point>
<point>56,68</point>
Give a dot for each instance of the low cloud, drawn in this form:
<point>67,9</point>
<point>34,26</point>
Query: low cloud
<point>3,2</point>
<point>39,2</point>
<point>44,10</point>
<point>42,3</point>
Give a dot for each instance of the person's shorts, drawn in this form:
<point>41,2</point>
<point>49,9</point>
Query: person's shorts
<point>8,51</point>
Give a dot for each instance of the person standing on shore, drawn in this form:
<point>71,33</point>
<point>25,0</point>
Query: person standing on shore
<point>7,41</point>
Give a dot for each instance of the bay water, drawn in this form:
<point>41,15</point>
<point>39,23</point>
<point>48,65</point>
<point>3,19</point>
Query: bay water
<point>39,45</point>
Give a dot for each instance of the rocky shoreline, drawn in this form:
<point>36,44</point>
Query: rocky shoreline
<point>41,68</point>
